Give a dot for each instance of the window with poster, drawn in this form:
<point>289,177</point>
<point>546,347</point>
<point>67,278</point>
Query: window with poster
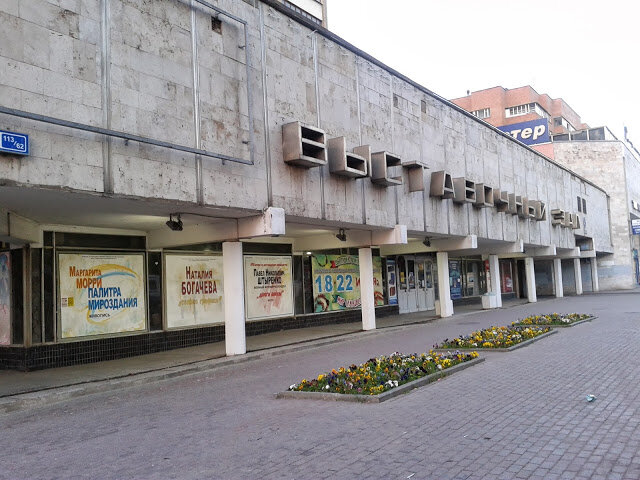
<point>506,276</point>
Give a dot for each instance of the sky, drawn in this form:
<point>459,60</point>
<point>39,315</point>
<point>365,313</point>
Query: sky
<point>586,52</point>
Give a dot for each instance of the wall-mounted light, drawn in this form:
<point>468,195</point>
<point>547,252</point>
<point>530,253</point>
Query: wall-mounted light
<point>175,225</point>
<point>426,242</point>
<point>341,235</point>
<point>308,253</point>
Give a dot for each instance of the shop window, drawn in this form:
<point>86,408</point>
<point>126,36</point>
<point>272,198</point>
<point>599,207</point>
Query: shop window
<point>17,311</point>
<point>48,292</point>
<point>154,278</point>
<point>36,296</point>
<point>506,277</point>
<point>307,283</point>
<point>411,267</point>
<point>402,273</point>
<point>298,284</point>
<point>87,240</point>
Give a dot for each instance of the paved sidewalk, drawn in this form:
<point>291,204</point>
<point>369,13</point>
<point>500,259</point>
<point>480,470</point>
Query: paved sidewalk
<point>518,415</point>
<point>145,368</point>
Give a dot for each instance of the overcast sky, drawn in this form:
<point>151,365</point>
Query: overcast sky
<point>586,52</point>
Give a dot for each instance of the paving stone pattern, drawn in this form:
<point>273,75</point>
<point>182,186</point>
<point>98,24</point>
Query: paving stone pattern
<point>518,415</point>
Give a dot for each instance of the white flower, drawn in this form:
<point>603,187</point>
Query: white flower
<point>395,383</point>
<point>327,387</point>
<point>439,367</point>
<point>292,387</point>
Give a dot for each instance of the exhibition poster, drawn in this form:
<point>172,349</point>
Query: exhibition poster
<point>336,282</point>
<point>268,286</point>
<point>101,294</point>
<point>194,290</point>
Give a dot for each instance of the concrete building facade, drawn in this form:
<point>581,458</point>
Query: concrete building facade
<point>202,171</point>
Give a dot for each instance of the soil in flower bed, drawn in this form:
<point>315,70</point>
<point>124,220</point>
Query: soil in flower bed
<point>552,319</point>
<point>494,337</point>
<point>381,374</point>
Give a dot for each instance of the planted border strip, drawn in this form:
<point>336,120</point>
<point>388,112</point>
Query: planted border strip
<point>493,338</point>
<point>389,394</point>
<point>509,349</point>
<point>557,325</point>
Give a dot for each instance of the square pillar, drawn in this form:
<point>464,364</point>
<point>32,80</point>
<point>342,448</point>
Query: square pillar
<point>367,299</point>
<point>446,305</point>
<point>594,275</point>
<point>530,275</point>
<point>494,272</point>
<point>557,277</point>
<point>577,270</point>
<point>234,316</point>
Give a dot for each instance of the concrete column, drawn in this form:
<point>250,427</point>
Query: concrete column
<point>494,272</point>
<point>530,275</point>
<point>234,317</point>
<point>365,257</point>
<point>594,275</point>
<point>446,305</point>
<point>557,277</point>
<point>577,270</point>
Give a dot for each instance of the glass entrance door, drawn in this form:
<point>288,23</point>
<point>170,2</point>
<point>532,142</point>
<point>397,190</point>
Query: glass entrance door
<point>426,295</point>
<point>407,291</point>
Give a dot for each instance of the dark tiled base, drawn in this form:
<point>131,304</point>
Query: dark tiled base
<point>313,320</point>
<point>98,350</point>
<point>102,349</point>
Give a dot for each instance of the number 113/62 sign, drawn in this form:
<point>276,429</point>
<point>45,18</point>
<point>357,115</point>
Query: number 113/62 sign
<point>16,143</point>
<point>336,282</point>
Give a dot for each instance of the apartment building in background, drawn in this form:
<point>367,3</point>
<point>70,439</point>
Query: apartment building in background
<point>552,127</point>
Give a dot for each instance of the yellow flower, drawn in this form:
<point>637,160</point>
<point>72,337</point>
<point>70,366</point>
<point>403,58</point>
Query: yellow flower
<point>320,377</point>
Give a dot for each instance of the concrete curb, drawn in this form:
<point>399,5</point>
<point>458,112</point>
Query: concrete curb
<point>388,395</point>
<point>510,349</point>
<point>551,325</point>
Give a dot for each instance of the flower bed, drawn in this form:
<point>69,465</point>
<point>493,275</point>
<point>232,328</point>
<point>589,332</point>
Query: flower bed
<point>494,337</point>
<point>554,319</point>
<point>382,374</point>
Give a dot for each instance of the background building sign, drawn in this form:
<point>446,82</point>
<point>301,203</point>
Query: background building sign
<point>392,288</point>
<point>455,279</point>
<point>194,290</point>
<point>268,286</point>
<point>101,294</point>
<point>336,282</point>
<point>529,133</point>
<point>635,227</point>
<point>5,298</point>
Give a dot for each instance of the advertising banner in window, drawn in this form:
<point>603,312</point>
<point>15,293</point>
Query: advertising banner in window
<point>336,282</point>
<point>506,277</point>
<point>101,294</point>
<point>268,286</point>
<point>392,292</point>
<point>455,279</point>
<point>5,298</point>
<point>193,290</point>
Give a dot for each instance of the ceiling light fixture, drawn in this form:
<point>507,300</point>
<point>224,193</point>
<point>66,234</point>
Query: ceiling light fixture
<point>341,235</point>
<point>175,225</point>
<point>426,242</point>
